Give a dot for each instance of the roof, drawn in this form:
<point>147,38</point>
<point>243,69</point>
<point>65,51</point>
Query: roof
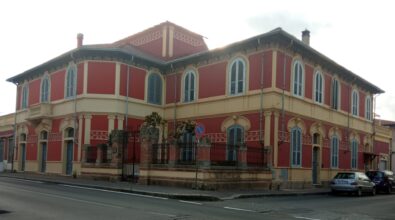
<point>129,52</point>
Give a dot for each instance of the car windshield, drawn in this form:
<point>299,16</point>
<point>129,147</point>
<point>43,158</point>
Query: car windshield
<point>374,175</point>
<point>345,176</point>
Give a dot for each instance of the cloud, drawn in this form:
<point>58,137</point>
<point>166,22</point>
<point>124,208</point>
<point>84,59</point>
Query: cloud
<point>292,23</point>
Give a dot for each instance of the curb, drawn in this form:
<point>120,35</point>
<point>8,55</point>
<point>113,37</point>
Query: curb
<point>189,197</point>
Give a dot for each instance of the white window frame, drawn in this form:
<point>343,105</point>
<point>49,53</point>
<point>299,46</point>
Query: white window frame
<point>335,152</point>
<point>368,108</point>
<point>296,148</point>
<point>237,80</point>
<point>319,88</point>
<point>155,101</point>
<point>71,81</point>
<point>354,154</point>
<point>45,94</point>
<point>191,86</point>
<point>298,80</point>
<point>25,96</point>
<point>355,102</point>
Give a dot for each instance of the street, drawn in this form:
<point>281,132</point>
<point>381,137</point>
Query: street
<point>22,199</point>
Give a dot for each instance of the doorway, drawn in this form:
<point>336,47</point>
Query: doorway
<point>43,166</point>
<point>69,157</point>
<point>316,158</point>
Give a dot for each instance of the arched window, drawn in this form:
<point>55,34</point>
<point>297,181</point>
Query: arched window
<point>25,96</point>
<point>298,79</point>
<point>154,89</point>
<point>45,85</point>
<point>335,94</point>
<point>189,86</point>
<point>44,135</point>
<point>71,81</point>
<point>237,77</point>
<point>334,152</point>
<point>318,87</point>
<point>355,102</point>
<point>368,108</point>
<point>354,154</point>
<point>235,138</point>
<point>296,147</point>
<point>69,133</point>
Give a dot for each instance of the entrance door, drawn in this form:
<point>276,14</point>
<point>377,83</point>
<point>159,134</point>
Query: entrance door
<point>23,157</point>
<point>43,157</point>
<point>69,157</point>
<point>315,165</point>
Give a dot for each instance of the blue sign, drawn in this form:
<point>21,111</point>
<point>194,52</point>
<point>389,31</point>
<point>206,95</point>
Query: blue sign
<point>199,130</point>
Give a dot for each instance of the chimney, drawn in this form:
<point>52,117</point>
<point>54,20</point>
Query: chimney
<point>80,38</point>
<point>306,36</point>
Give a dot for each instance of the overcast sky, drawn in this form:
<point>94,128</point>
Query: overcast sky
<point>359,35</point>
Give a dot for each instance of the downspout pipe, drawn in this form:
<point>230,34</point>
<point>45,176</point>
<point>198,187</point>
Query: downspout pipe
<point>261,100</point>
<point>283,94</point>
<point>14,127</point>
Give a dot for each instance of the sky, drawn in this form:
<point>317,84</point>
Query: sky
<point>357,34</point>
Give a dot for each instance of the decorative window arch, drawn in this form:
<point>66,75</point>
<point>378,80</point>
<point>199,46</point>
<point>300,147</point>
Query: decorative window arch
<point>335,94</point>
<point>45,89</point>
<point>319,87</point>
<point>189,86</point>
<point>355,103</point>
<point>335,151</point>
<point>298,79</point>
<point>237,76</point>
<point>354,153</point>
<point>368,108</point>
<point>25,96</point>
<point>154,89</point>
<point>71,81</point>
<point>296,147</point>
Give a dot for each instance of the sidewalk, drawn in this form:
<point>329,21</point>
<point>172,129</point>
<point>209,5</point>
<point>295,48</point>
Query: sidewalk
<point>164,191</point>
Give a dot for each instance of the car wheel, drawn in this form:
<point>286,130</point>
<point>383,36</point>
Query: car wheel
<point>359,192</point>
<point>373,191</point>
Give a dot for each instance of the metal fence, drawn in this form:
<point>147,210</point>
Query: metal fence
<point>160,153</point>
<point>187,153</point>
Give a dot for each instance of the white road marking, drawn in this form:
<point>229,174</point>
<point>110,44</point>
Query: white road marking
<point>238,209</point>
<point>189,202</point>
<point>110,191</point>
<point>25,180</point>
<point>301,217</point>
<point>69,198</point>
<point>162,214</point>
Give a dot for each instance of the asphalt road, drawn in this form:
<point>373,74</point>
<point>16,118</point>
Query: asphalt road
<point>20,199</point>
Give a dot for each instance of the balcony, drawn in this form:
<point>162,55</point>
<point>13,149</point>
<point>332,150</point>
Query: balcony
<point>40,111</point>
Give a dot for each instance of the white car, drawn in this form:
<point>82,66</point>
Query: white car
<point>352,182</point>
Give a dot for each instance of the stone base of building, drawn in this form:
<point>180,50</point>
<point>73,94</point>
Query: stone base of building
<point>213,179</point>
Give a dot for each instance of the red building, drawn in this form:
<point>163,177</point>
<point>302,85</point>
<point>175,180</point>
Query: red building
<point>274,111</point>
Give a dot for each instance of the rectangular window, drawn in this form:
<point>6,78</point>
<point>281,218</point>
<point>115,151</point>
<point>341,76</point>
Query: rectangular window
<point>334,152</point>
<point>296,147</point>
<point>354,154</point>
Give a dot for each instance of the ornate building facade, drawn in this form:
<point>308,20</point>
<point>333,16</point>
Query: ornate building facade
<point>274,110</point>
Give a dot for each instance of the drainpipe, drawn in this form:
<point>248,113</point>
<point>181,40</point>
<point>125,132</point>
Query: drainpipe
<point>14,147</point>
<point>261,100</point>
<point>283,94</point>
<point>175,100</point>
